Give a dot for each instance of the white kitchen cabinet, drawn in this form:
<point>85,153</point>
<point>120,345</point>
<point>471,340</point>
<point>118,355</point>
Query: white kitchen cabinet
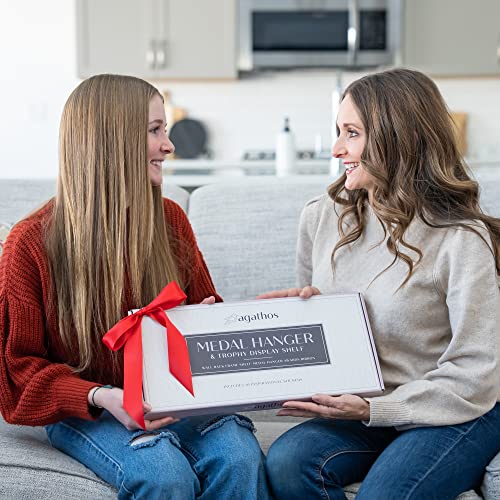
<point>155,39</point>
<point>452,37</point>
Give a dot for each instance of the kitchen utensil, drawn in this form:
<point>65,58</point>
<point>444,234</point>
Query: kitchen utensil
<point>460,122</point>
<point>189,137</point>
<point>173,113</point>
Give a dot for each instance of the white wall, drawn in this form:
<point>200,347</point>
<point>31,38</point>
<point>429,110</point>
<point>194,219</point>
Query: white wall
<point>248,113</point>
<point>38,58</point>
<point>38,71</point>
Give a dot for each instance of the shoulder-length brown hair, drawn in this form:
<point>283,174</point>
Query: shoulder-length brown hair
<point>412,155</point>
<point>107,233</point>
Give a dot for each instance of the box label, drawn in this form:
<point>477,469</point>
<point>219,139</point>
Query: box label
<point>263,349</point>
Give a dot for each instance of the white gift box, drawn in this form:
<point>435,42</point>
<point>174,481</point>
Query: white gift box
<point>255,355</point>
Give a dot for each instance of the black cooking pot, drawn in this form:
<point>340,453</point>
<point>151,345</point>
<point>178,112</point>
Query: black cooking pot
<point>189,137</point>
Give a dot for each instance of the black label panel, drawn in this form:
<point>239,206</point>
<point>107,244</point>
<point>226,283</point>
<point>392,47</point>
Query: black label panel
<point>263,349</point>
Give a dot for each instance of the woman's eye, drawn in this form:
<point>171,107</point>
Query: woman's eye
<point>351,133</point>
<point>154,130</point>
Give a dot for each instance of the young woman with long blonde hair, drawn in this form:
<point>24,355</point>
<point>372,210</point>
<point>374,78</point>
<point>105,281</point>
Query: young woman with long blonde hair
<point>402,225</point>
<point>106,244</point>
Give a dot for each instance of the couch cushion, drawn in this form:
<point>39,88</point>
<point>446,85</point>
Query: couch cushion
<point>20,197</point>
<point>489,193</point>
<point>247,235</point>
<point>177,194</point>
<point>31,469</point>
<point>351,491</point>
<point>491,483</point>
<point>4,231</point>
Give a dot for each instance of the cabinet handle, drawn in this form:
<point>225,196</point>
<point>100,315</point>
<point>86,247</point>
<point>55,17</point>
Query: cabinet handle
<point>151,55</point>
<point>161,54</point>
<point>498,51</point>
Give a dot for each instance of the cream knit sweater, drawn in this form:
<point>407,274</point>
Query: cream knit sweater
<point>438,337</point>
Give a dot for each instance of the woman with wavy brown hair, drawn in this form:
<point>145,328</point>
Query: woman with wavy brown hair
<point>106,244</point>
<point>402,225</point>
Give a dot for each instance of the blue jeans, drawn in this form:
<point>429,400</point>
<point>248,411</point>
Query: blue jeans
<point>204,457</point>
<point>319,457</point>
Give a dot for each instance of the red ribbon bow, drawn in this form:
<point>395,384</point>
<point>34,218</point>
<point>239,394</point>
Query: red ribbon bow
<point>128,332</point>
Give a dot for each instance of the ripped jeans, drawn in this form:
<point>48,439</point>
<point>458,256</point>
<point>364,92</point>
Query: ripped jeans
<point>199,457</point>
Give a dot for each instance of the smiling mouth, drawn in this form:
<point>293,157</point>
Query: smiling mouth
<point>156,163</point>
<point>350,167</point>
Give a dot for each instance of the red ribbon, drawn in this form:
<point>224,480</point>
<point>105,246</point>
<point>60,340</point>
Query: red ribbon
<point>128,332</point>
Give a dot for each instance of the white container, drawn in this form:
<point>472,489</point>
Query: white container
<point>285,152</point>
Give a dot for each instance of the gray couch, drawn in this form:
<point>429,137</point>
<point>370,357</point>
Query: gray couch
<point>246,230</point>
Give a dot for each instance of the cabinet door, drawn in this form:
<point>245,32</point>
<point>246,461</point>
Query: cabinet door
<point>117,36</point>
<point>199,39</point>
<point>453,37</point>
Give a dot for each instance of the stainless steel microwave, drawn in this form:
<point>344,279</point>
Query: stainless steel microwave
<point>319,33</point>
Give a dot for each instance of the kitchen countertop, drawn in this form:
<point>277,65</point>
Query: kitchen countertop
<point>194,173</point>
<point>246,167</point>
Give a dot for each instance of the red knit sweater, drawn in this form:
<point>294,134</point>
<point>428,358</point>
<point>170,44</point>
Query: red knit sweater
<point>36,386</point>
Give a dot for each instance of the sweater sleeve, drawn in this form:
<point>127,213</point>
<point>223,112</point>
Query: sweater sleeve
<point>307,228</point>
<point>33,389</point>
<point>464,384</point>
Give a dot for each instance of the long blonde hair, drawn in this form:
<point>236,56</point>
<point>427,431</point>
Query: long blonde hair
<point>107,233</point>
<point>412,155</point>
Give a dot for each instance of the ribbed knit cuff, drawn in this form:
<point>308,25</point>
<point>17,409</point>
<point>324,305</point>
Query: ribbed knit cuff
<point>73,393</point>
<point>387,413</point>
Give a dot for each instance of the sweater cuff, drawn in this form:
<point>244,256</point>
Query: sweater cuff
<point>387,413</point>
<point>74,392</point>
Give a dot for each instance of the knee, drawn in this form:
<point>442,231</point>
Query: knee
<point>286,453</point>
<point>286,469</point>
<point>238,445</point>
<point>233,461</point>
<point>156,468</point>
<point>178,482</point>
<point>175,479</point>
<point>278,460</point>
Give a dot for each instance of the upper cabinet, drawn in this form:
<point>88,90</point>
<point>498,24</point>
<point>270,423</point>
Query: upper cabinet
<point>452,37</point>
<point>154,39</point>
<point>197,39</point>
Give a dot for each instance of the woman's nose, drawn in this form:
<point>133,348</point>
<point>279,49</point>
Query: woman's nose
<point>167,146</point>
<point>338,149</point>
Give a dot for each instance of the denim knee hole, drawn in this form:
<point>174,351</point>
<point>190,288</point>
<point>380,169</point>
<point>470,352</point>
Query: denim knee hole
<point>143,439</point>
<point>219,420</point>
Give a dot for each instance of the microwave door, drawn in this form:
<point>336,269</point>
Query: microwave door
<point>316,33</point>
<point>377,36</point>
<point>312,35</point>
<point>304,38</point>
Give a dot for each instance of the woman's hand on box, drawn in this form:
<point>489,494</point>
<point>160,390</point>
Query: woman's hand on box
<point>112,400</point>
<point>346,407</point>
<point>208,300</point>
<point>305,293</point>
<point>153,425</point>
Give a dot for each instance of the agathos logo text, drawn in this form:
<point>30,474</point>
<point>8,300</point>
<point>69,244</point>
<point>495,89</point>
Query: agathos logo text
<point>248,318</point>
